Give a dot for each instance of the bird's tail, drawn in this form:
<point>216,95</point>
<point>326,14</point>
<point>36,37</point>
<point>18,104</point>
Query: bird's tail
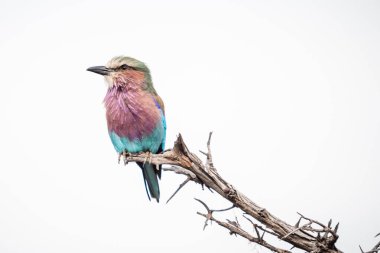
<point>151,176</point>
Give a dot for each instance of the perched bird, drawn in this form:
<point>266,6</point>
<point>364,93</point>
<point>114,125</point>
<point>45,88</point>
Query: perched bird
<point>135,114</point>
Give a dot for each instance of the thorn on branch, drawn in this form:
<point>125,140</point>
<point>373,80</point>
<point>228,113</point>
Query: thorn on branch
<point>203,153</point>
<point>298,222</point>
<point>179,188</point>
<point>190,177</point>
<point>336,228</point>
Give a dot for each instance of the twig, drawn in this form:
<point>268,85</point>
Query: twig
<point>375,248</point>
<point>256,227</point>
<point>324,229</point>
<point>208,215</point>
<point>237,230</point>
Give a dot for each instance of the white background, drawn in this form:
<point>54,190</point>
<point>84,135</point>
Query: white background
<point>291,90</point>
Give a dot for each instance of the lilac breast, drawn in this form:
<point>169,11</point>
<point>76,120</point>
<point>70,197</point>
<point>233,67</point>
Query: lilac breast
<point>131,114</point>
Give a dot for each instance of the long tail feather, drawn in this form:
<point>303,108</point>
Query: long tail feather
<point>151,175</point>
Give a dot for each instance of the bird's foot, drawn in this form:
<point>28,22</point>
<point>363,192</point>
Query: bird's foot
<point>125,155</point>
<point>148,157</point>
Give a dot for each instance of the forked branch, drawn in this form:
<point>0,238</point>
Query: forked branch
<point>307,234</point>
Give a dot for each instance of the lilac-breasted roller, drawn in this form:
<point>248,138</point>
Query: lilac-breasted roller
<point>135,114</point>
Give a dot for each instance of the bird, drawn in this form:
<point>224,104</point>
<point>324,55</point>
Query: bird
<point>135,114</point>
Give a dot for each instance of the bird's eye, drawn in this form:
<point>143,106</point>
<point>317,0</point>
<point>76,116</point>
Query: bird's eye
<point>124,66</point>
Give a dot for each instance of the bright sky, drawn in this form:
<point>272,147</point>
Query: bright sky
<point>291,90</point>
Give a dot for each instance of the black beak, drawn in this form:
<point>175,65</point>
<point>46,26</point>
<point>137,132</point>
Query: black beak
<point>101,70</point>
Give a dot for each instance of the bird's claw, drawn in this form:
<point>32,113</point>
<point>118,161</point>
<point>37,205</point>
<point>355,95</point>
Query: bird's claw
<point>148,157</point>
<point>125,155</point>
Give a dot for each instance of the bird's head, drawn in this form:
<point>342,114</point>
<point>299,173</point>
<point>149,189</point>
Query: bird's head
<point>123,71</point>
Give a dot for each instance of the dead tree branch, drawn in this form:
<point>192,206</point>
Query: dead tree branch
<point>312,236</point>
<point>375,249</point>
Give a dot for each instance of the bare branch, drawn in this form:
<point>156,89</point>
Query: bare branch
<point>313,236</point>
<point>375,249</point>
